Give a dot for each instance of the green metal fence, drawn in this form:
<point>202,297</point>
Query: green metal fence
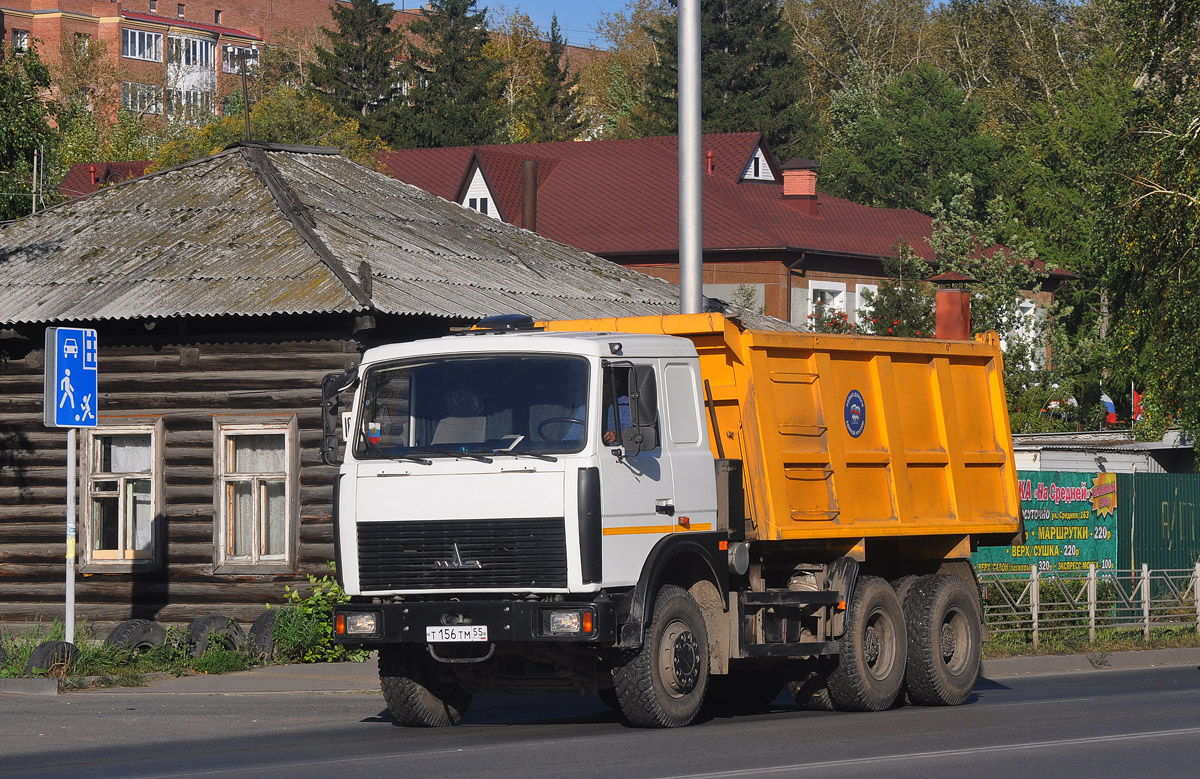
<point>1158,521</point>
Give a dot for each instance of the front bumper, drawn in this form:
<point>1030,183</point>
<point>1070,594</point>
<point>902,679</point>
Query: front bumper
<point>507,621</point>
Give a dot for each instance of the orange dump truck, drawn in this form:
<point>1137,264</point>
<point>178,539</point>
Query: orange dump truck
<point>668,510</point>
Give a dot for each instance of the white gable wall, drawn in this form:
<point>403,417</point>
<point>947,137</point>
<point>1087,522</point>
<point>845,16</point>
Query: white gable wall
<point>758,169</point>
<point>479,197</point>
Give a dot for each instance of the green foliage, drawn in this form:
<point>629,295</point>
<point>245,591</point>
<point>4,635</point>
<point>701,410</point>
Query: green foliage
<point>904,305</point>
<point>453,92</point>
<point>1152,273</point>
<point>828,319</point>
<point>304,625</point>
<point>284,115</point>
<point>750,79</point>
<point>356,74</point>
<point>902,144</point>
<point>25,117</point>
<point>553,99</point>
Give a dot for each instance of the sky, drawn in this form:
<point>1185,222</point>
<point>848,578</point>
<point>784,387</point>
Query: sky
<point>576,19</point>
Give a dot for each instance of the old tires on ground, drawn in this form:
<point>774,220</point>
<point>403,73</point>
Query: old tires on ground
<point>52,658</point>
<point>262,635</point>
<point>943,641</point>
<point>136,635</point>
<point>419,691</point>
<point>869,671</point>
<point>662,684</point>
<point>211,631</point>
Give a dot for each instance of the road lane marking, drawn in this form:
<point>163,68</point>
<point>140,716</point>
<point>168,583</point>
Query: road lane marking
<point>939,753</point>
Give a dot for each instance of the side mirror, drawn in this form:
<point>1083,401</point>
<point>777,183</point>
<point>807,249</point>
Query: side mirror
<point>641,435</point>
<point>332,387</point>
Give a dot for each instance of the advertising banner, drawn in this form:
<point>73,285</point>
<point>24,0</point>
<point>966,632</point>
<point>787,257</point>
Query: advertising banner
<point>1070,523</point>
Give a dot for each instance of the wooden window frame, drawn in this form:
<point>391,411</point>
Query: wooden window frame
<point>122,561</point>
<point>224,427</point>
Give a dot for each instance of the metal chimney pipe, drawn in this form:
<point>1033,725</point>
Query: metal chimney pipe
<point>691,298</point>
<point>529,195</point>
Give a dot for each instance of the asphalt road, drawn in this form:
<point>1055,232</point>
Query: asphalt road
<point>1098,724</point>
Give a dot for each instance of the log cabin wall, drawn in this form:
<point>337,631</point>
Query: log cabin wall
<point>269,369</point>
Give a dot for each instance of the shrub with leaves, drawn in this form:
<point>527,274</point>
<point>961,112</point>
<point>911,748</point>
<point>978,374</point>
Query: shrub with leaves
<point>304,626</point>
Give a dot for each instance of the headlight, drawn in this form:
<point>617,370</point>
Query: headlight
<point>362,623</point>
<point>569,622</point>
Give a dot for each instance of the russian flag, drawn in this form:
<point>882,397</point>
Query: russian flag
<point>1110,407</point>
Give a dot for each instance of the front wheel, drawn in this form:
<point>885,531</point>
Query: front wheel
<point>418,690</point>
<point>943,639</point>
<point>869,671</point>
<point>662,684</point>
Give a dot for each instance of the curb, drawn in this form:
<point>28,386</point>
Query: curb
<point>1097,661</point>
<point>40,686</point>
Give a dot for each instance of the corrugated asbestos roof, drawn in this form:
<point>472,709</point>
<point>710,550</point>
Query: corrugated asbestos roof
<point>261,229</point>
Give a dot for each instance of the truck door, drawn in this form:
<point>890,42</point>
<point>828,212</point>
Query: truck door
<point>692,465</point>
<point>633,484</point>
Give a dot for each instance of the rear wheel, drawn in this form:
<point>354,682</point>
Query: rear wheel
<point>809,684</point>
<point>419,691</point>
<point>868,673</point>
<point>662,684</point>
<point>944,641</point>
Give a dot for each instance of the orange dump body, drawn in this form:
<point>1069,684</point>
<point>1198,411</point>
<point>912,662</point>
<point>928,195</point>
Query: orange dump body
<point>854,438</point>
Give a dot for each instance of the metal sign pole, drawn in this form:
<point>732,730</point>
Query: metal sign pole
<point>71,436</point>
<point>71,401</point>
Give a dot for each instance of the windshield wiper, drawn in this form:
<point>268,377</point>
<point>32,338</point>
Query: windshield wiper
<point>518,439</point>
<point>412,458</point>
<point>412,454</point>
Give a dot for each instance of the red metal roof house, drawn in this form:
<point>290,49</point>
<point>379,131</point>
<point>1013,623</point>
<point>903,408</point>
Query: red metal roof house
<point>766,226</point>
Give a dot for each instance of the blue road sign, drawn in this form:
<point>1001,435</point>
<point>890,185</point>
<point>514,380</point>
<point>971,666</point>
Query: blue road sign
<point>71,377</point>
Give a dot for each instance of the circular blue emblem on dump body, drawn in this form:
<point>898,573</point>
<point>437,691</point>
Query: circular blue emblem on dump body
<point>856,414</point>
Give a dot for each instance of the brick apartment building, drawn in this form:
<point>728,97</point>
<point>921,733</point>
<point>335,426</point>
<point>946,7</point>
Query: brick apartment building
<point>174,57</point>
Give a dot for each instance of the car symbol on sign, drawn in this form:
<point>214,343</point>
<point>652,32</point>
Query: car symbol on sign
<point>70,348</point>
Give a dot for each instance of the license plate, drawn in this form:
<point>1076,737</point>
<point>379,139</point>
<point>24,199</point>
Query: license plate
<point>434,634</point>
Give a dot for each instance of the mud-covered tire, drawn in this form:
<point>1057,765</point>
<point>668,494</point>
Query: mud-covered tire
<point>903,585</point>
<point>136,635</point>
<point>419,691</point>
<point>214,630</point>
<point>261,640</point>
<point>662,684</point>
<point>52,658</point>
<point>944,641</point>
<point>809,685</point>
<point>744,689</point>
<point>868,674</point>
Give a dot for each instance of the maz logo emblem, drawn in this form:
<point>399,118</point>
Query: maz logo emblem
<point>457,561</point>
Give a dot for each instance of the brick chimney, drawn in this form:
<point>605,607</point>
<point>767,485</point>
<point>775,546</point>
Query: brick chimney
<point>529,195</point>
<point>800,184</point>
<point>952,306</point>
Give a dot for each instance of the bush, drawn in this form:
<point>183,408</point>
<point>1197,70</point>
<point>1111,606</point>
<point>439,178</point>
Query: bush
<point>304,626</point>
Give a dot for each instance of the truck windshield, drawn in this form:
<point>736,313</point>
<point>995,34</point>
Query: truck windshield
<point>512,403</point>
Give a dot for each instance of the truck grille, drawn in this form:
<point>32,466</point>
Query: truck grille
<point>421,555</point>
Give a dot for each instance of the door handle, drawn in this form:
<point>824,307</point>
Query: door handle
<point>664,506</point>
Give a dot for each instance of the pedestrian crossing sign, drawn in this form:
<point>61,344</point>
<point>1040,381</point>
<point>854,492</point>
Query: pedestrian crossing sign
<point>71,377</point>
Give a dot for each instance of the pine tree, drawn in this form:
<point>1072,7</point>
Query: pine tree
<point>453,90</point>
<point>554,100</point>
<point>355,76</point>
<point>750,79</point>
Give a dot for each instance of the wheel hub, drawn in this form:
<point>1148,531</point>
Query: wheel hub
<point>949,641</point>
<point>685,662</point>
<point>871,646</point>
